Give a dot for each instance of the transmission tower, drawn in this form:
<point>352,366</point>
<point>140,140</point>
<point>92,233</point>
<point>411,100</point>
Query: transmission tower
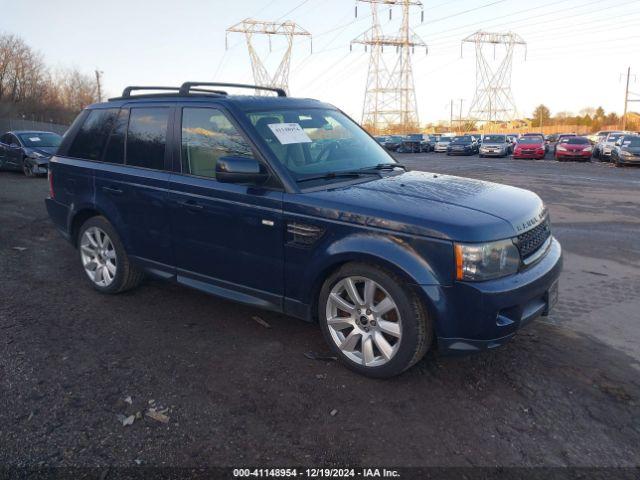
<point>493,100</point>
<point>261,76</point>
<point>390,98</point>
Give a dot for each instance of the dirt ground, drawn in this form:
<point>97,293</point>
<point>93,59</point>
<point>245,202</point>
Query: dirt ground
<point>564,392</point>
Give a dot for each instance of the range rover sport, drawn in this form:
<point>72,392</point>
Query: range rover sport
<point>287,204</point>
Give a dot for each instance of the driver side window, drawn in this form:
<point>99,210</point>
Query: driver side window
<point>207,135</point>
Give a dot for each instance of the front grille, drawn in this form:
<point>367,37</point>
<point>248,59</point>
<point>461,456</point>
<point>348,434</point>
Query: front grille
<point>532,240</point>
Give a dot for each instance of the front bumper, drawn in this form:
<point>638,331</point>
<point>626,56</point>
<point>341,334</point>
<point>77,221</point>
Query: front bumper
<point>532,155</point>
<point>451,151</point>
<point>493,153</point>
<point>635,160</point>
<point>474,316</point>
<point>573,155</point>
<point>39,166</point>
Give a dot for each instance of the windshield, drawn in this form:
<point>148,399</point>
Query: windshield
<point>395,138</point>
<point>40,139</point>
<point>631,142</point>
<point>613,138</point>
<point>463,139</point>
<point>494,139</point>
<point>317,141</point>
<point>415,136</point>
<point>576,141</point>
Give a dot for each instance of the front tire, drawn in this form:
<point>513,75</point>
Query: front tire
<point>27,169</point>
<point>104,259</point>
<point>372,321</point>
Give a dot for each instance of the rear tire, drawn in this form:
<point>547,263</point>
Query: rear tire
<point>378,345</point>
<point>104,259</point>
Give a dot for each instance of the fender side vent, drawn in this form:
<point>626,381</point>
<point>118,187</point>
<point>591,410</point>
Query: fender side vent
<point>303,234</point>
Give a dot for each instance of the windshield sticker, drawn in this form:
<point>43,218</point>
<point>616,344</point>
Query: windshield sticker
<point>288,133</point>
<point>34,139</point>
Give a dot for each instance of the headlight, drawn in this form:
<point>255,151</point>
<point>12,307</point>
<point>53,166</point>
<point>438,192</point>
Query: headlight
<point>36,155</point>
<point>625,153</point>
<point>486,261</point>
<point>561,148</point>
<point>587,149</point>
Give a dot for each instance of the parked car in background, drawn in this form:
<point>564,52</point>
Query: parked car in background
<point>221,193</point>
<point>393,142</point>
<point>626,151</point>
<point>415,143</point>
<point>495,145</point>
<point>573,148</point>
<point>603,149</point>
<point>531,147</point>
<point>28,151</point>
<point>443,143</point>
<point>463,145</point>
<point>381,139</point>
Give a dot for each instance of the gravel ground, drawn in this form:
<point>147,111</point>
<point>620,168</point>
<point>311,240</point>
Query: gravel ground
<point>564,392</point>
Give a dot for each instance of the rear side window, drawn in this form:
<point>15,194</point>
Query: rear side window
<point>114,152</point>
<point>147,137</point>
<point>92,136</point>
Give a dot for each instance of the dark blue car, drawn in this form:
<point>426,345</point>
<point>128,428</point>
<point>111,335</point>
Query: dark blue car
<point>287,204</point>
<point>28,151</point>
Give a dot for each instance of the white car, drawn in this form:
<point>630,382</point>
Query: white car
<point>605,147</point>
<point>442,144</point>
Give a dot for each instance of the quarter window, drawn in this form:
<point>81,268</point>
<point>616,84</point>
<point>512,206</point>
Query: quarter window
<point>147,137</point>
<point>93,134</point>
<point>207,135</point>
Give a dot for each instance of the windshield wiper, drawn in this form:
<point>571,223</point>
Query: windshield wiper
<point>332,175</point>
<point>353,173</point>
<point>385,166</point>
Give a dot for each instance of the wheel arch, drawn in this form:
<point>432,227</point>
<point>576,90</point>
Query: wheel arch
<point>403,262</point>
<point>80,214</point>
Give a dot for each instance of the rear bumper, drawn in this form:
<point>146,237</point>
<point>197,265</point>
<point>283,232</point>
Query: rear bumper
<point>59,215</point>
<point>474,316</point>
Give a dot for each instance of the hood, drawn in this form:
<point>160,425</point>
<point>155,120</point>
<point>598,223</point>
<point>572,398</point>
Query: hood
<point>634,150</point>
<point>48,151</point>
<point>528,144</point>
<point>434,205</point>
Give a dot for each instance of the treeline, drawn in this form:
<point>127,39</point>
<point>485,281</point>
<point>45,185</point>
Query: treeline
<point>594,118</point>
<point>30,89</point>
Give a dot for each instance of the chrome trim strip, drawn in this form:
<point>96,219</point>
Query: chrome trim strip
<point>538,254</point>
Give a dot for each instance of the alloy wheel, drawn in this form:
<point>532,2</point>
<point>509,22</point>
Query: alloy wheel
<point>98,256</point>
<point>364,321</point>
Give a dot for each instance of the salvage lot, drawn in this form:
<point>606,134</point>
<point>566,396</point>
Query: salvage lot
<point>565,391</point>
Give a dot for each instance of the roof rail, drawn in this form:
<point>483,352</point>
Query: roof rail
<point>126,93</point>
<point>188,86</point>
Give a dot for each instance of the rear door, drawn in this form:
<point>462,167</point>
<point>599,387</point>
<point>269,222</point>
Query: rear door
<point>131,181</point>
<point>228,238</point>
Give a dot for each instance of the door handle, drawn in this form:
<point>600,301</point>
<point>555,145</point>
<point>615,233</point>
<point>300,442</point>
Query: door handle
<point>113,190</point>
<point>191,205</point>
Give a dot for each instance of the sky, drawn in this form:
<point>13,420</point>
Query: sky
<point>577,50</point>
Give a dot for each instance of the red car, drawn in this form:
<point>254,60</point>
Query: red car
<point>574,148</point>
<point>530,146</point>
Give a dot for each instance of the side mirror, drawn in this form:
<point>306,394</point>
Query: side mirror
<point>236,169</point>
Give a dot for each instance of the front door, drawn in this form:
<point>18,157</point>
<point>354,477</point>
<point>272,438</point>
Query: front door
<point>228,238</point>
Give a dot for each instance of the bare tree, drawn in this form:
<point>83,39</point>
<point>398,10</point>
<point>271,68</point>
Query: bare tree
<point>29,88</point>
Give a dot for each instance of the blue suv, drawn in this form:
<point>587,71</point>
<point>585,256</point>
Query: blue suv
<point>288,205</point>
